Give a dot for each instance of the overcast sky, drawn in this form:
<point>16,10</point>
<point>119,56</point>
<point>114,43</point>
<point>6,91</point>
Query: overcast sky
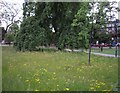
<point>21,1</point>
<point>15,1</point>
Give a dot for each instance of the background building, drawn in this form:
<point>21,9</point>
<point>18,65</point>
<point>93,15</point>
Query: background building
<point>2,34</point>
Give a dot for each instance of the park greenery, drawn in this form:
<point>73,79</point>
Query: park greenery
<point>63,25</point>
<point>57,71</point>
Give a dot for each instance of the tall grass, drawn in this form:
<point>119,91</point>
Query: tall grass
<point>57,71</point>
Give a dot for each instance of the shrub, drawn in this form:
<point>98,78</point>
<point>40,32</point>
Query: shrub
<point>9,37</point>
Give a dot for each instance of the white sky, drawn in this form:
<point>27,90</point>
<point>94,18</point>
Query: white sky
<point>15,1</point>
<point>21,1</point>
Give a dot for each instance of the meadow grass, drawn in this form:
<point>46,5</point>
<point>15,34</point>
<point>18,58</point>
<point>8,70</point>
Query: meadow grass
<point>57,71</point>
<point>105,50</point>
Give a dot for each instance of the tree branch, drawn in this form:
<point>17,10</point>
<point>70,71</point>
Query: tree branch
<point>9,13</point>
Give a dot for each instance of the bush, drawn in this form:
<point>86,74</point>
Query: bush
<point>31,35</point>
<point>9,37</point>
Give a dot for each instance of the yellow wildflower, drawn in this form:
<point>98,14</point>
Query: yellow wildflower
<point>102,83</point>
<point>57,85</point>
<point>45,70</point>
<point>36,90</point>
<point>92,88</point>
<point>25,64</point>
<point>67,89</point>
<point>37,79</point>
<point>27,80</point>
<point>98,86</point>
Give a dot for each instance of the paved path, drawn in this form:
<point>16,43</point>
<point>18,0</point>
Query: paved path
<point>79,50</point>
<point>5,45</point>
<point>95,53</point>
<point>101,54</point>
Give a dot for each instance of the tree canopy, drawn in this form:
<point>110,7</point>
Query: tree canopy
<point>65,25</point>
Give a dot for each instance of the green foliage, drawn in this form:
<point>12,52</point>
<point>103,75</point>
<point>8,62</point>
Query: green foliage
<point>69,20</point>
<point>68,40</point>
<point>9,37</point>
<point>70,37</point>
<point>14,29</point>
<point>81,21</point>
<point>106,38</point>
<point>35,30</point>
<point>31,35</point>
<point>84,40</point>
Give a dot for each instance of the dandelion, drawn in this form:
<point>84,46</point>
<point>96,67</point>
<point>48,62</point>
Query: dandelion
<point>92,88</point>
<point>98,86</point>
<point>36,90</point>
<point>37,80</point>
<point>57,85</point>
<point>54,78</point>
<point>27,80</point>
<point>67,89</point>
<point>25,64</point>
<point>102,83</point>
<point>82,67</point>
<point>45,70</point>
<point>104,90</point>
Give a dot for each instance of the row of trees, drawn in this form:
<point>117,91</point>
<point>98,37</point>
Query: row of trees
<point>64,25</point>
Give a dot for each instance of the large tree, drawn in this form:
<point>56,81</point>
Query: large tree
<point>47,16</point>
<point>66,25</point>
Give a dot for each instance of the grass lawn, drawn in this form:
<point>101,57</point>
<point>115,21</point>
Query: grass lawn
<point>105,50</point>
<point>57,71</point>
